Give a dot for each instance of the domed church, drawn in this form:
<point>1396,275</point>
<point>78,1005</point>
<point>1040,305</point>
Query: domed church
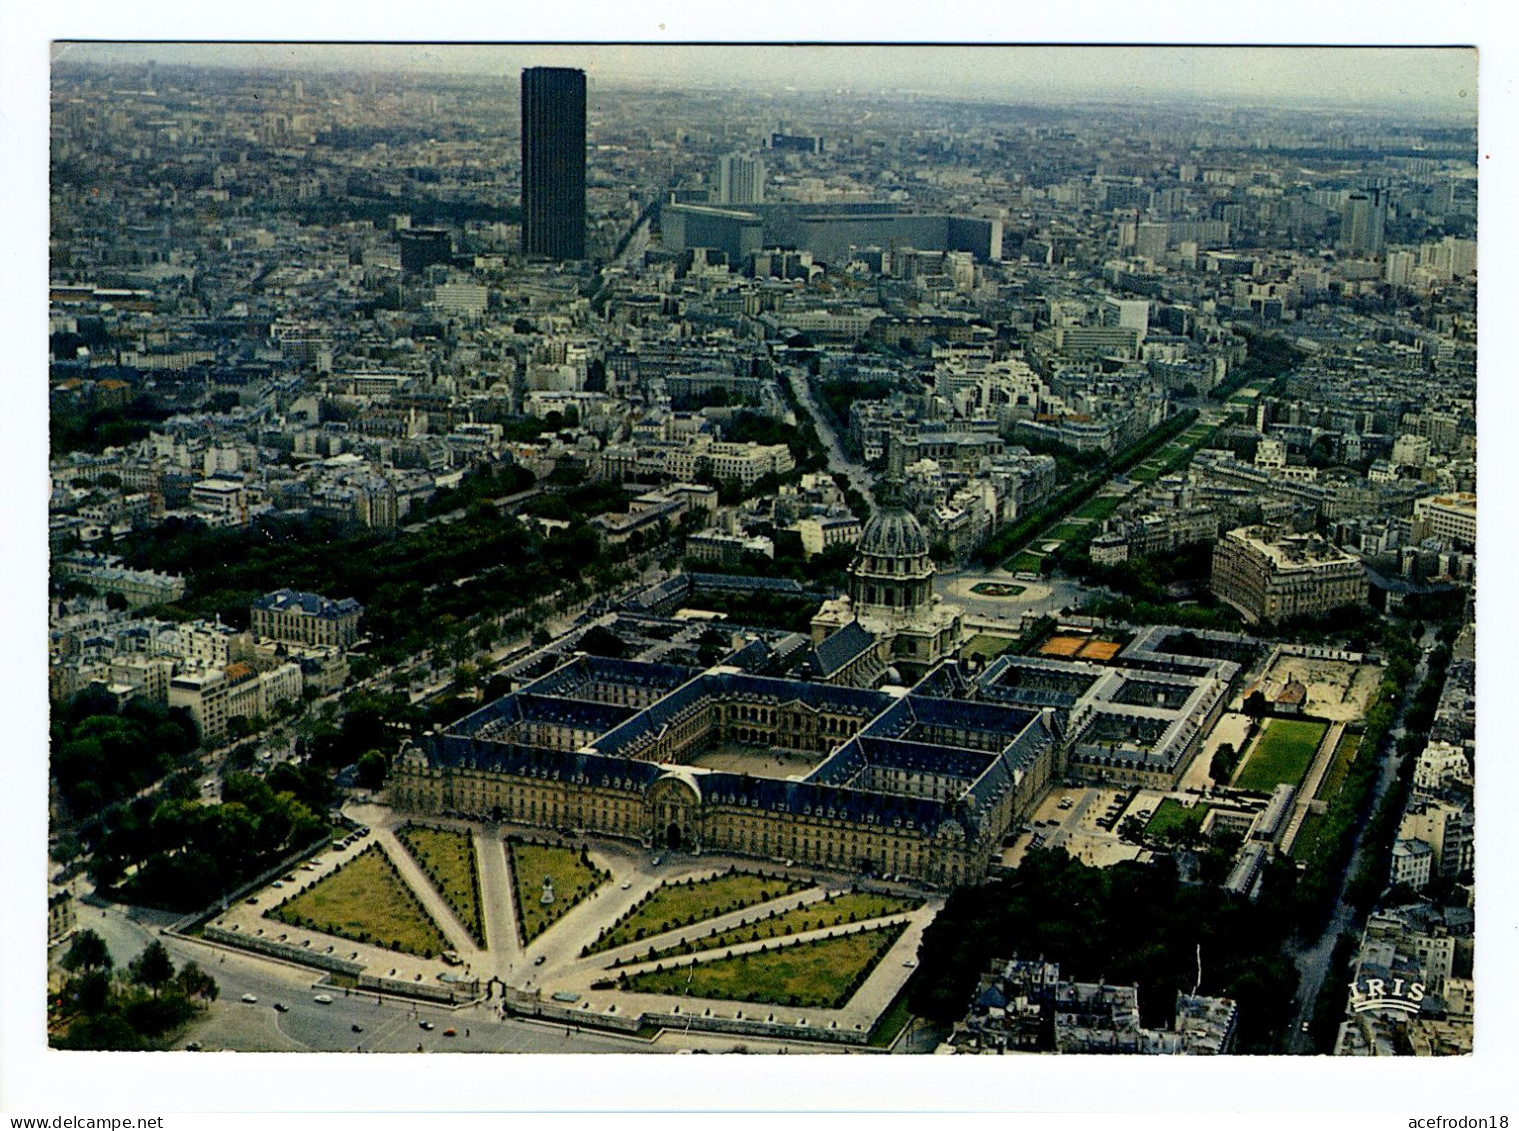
<point>891,591</point>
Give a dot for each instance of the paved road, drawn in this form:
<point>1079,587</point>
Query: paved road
<point>1313,959</point>
<point>839,462</point>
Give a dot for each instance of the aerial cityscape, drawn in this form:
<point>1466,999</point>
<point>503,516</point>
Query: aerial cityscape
<point>618,557</point>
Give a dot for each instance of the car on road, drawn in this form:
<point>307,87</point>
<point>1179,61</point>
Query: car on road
<point>427,1025</point>
<point>277,884</point>
<point>250,998</point>
<point>356,1027</point>
<point>450,1032</point>
<point>539,961</point>
<point>193,1046</point>
<point>279,1007</point>
<point>323,999</point>
<point>626,884</point>
<point>253,899</point>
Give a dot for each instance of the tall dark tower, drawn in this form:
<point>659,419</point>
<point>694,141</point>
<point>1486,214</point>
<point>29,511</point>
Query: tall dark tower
<point>553,163</point>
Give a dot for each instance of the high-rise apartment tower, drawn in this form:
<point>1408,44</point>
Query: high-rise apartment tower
<point>738,179</point>
<point>553,163</point>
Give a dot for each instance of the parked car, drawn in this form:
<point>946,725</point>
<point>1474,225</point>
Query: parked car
<point>323,999</point>
<point>249,999</point>
<point>427,1025</point>
<point>279,1007</point>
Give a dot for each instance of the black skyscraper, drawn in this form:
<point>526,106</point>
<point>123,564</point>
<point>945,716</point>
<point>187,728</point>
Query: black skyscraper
<point>553,162</point>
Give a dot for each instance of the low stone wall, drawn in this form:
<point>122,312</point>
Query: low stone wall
<point>305,956</point>
<point>525,1005</point>
<point>398,987</point>
<point>753,1027</point>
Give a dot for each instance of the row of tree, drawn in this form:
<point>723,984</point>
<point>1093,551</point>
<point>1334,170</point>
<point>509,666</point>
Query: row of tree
<point>101,755</point>
<point>184,855</point>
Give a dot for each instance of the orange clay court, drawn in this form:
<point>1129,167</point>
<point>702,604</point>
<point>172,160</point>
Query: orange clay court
<point>1062,646</point>
<point>1079,647</point>
<point>1100,650</point>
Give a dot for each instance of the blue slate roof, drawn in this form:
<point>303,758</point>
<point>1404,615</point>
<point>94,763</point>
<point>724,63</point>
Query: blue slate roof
<point>565,680</point>
<point>839,649</point>
<point>311,604</point>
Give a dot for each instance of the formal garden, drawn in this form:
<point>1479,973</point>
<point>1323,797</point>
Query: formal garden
<point>839,909</point>
<point>447,858</point>
<point>674,905</point>
<point>817,973</point>
<point>365,900</point>
<point>570,876</point>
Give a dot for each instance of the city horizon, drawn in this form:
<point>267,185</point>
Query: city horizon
<point>1438,81</point>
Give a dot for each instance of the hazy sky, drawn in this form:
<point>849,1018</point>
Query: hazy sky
<point>1442,79</point>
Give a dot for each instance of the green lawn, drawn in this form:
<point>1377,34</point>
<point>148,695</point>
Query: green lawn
<point>892,1022</point>
<point>1307,836</point>
<point>670,906</point>
<point>1172,814</point>
<point>824,973</point>
<point>1281,754</point>
<point>1344,754</point>
<point>447,856</point>
<point>1067,531</point>
<point>365,900</point>
<point>1025,562</point>
<point>835,911</point>
<point>1098,508</point>
<point>573,875</point>
<point>986,646</point>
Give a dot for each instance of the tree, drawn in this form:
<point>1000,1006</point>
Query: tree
<point>88,952</point>
<point>371,769</point>
<point>195,982</point>
<point>153,967</point>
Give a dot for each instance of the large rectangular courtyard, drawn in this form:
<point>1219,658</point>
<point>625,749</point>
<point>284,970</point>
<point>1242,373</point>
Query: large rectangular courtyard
<point>754,760</point>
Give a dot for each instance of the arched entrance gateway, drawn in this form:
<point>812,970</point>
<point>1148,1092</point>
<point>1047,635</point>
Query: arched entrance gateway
<point>672,811</point>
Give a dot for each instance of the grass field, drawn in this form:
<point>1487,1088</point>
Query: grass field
<point>1281,754</point>
<point>1098,508</point>
<point>1025,562</point>
<point>987,646</point>
<point>447,856</point>
<point>1344,754</point>
<point>1067,531</point>
<point>670,906</point>
<point>366,900</point>
<point>574,878</point>
<point>835,911</point>
<point>820,974</point>
<point>892,1022</point>
<point>1172,814</point>
<point>1307,836</point>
